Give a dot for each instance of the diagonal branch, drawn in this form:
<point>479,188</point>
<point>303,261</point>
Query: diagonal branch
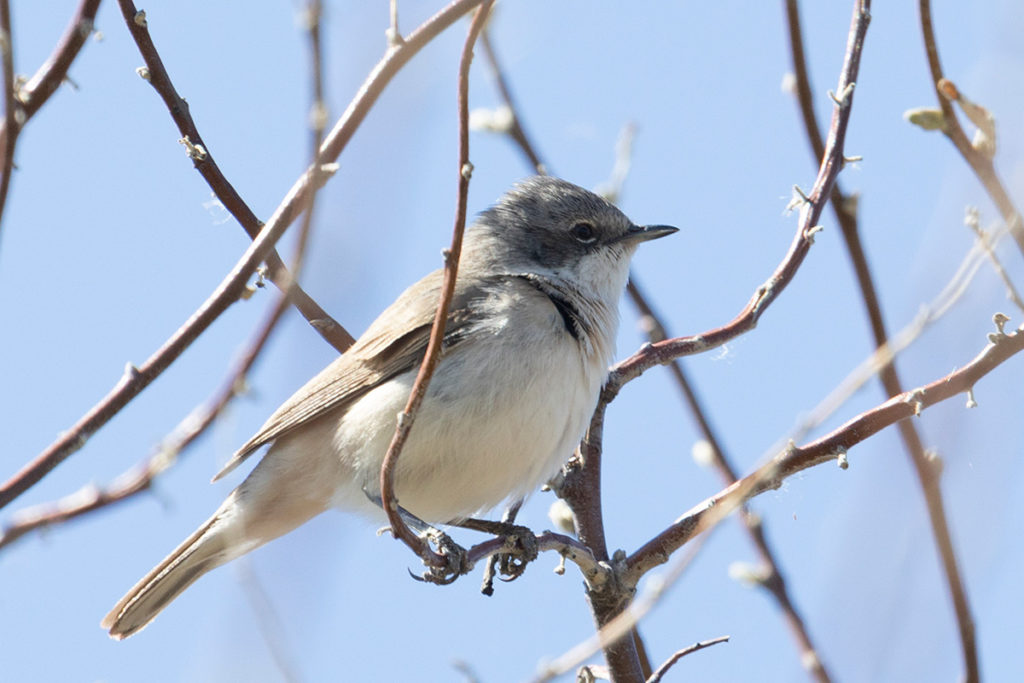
<point>137,379</point>
<point>792,460</point>
<point>12,108</point>
<point>140,478</point>
<point>979,162</point>
<point>810,212</point>
<point>433,352</point>
<point>202,158</point>
<point>844,208</point>
<point>773,581</point>
<point>679,654</point>
<point>515,127</point>
<point>22,105</point>
<point>609,603</point>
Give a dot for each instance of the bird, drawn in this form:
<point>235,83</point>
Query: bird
<point>528,342</point>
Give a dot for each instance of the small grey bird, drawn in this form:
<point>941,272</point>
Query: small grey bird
<point>528,343</point>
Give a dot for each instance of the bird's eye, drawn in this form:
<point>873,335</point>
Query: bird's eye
<point>584,232</point>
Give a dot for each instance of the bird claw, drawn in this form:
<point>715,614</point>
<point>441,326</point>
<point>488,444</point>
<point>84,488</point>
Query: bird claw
<point>450,560</point>
<point>521,548</point>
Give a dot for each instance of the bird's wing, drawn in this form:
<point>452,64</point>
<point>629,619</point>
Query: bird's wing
<point>392,345</point>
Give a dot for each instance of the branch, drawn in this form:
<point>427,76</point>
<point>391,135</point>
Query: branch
<point>137,379</point>
<point>773,580</point>
<point>671,661</point>
<point>845,210</point>
<point>22,105</point>
<point>433,352</point>
<point>202,158</point>
<point>583,492</point>
<point>979,162</point>
<point>38,89</point>
<point>515,127</point>
<point>792,460</point>
<point>616,628</point>
<point>12,108</point>
<point>607,605</point>
<point>811,206</point>
<point>140,478</point>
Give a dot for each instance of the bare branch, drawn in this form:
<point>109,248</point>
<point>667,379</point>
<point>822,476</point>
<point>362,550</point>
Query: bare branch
<point>973,221</point>
<point>433,352</point>
<point>12,108</point>
<point>671,661</point>
<point>140,478</point>
<point>810,211</point>
<point>617,627</point>
<point>22,105</point>
<point>515,131</point>
<point>795,459</point>
<point>228,291</point>
<point>157,76</point>
<point>774,581</point>
<point>844,209</point>
<point>978,160</point>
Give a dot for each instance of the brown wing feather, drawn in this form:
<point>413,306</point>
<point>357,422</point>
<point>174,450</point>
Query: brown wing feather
<point>392,345</point>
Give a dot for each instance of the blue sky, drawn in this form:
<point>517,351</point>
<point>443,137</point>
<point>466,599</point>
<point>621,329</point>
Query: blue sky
<point>110,241</point>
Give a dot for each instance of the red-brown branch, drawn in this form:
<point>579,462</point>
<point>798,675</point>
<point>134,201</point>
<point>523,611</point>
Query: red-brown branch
<point>11,105</point>
<point>433,352</point>
<point>811,209</point>
<point>297,199</point>
<point>979,162</point>
<point>140,478</point>
<point>774,581</point>
<point>157,76</point>
<point>825,449</point>
<point>846,215</point>
<point>608,603</point>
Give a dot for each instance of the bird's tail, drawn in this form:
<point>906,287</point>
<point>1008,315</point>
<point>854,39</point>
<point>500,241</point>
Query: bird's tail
<point>204,550</point>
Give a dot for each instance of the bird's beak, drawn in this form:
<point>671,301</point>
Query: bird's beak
<point>643,233</point>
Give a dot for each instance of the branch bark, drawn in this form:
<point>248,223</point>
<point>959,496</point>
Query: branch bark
<point>701,517</point>
<point>433,352</point>
<point>981,164</point>
<point>297,199</point>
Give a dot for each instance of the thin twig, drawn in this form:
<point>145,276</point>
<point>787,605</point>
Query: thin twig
<point>584,496</point>
<point>297,199</point>
<point>810,212</point>
<point>621,624</point>
<point>433,353</point>
<point>888,373</point>
<point>774,581</point>
<point>930,313</point>
<point>37,90</point>
<point>579,479</point>
<point>973,222</point>
<point>671,661</point>
<point>12,108</point>
<point>828,448</point>
<point>140,478</point>
<point>202,158</point>
<point>268,621</point>
<point>515,131</point>
<point>979,162</point>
